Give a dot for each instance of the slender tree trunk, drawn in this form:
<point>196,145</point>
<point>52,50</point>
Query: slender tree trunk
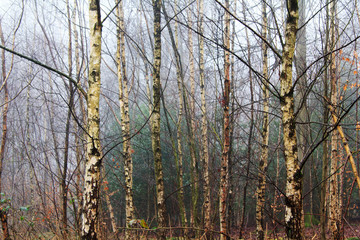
<point>64,188</point>
<point>334,193</point>
<point>79,149</point>
<point>51,111</point>
<point>276,193</point>
<point>155,126</point>
<point>93,156</point>
<point>224,172</point>
<point>302,129</point>
<point>3,212</point>
<point>179,134</point>
<point>260,205</point>
<point>293,198</point>
<point>28,147</point>
<point>324,176</point>
<point>125,120</point>
<point>192,100</point>
<point>249,143</point>
<point>204,127</point>
<point>325,157</point>
<point>179,151</point>
<point>178,179</point>
<point>194,176</point>
<point>148,94</point>
<point>231,195</point>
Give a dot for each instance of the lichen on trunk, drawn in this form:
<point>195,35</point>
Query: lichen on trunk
<point>93,156</point>
<point>260,192</point>
<point>125,118</point>
<point>293,198</point>
<point>224,172</point>
<point>155,126</point>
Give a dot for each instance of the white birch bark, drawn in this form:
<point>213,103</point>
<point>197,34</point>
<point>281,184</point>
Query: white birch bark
<point>93,156</point>
<point>293,198</point>
<point>335,157</point>
<point>265,136</point>
<point>125,119</point>
<point>226,132</point>
<point>155,126</point>
<point>204,126</point>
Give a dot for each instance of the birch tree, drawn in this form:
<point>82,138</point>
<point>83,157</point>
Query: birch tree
<point>335,202</point>
<point>325,157</point>
<point>178,153</point>
<point>204,124</point>
<point>93,156</point>
<point>226,130</point>
<point>180,80</point>
<point>79,149</point>
<point>302,129</point>
<point>64,184</point>
<point>251,128</point>
<point>155,126</point>
<point>4,78</point>
<point>260,204</point>
<point>293,198</point>
<point>125,119</point>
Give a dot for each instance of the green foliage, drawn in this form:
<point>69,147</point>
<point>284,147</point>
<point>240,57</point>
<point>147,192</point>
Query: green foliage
<point>5,203</point>
<point>26,208</point>
<point>311,220</point>
<point>143,224</point>
<point>5,200</point>
<point>353,238</point>
<point>138,223</point>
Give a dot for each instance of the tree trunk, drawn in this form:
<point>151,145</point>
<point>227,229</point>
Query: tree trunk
<point>303,128</point>
<point>125,119</point>
<point>82,116</point>
<point>155,126</point>
<point>179,152</point>
<point>249,143</point>
<point>325,157</point>
<point>64,188</point>
<point>3,211</point>
<point>194,176</point>
<point>93,156</point>
<point>277,173</point>
<point>204,127</point>
<point>224,172</point>
<point>334,193</point>
<point>260,205</point>
<point>192,101</point>
<point>179,76</point>
<point>231,194</point>
<point>293,198</point>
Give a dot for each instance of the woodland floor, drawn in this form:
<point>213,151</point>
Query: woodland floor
<point>351,232</point>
